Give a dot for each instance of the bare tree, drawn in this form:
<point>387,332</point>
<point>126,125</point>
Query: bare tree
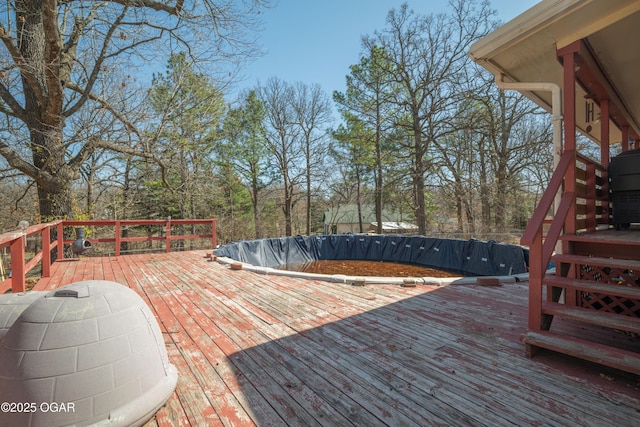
<point>187,107</point>
<point>56,59</point>
<point>312,113</point>
<point>367,98</point>
<point>284,142</point>
<point>425,57</point>
<point>515,136</point>
<point>353,153</point>
<point>243,147</point>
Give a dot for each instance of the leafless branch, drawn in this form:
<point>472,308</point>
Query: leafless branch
<point>24,194</point>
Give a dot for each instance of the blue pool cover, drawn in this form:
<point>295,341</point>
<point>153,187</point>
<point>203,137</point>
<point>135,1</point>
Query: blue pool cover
<point>469,257</point>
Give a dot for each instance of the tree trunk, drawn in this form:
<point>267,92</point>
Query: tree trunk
<point>43,112</point>
<point>288,204</point>
<point>54,202</point>
<point>54,181</point>
<point>420,208</point>
<point>501,195</point>
<point>308,177</point>
<point>378,196</point>
<point>420,205</point>
<point>484,195</point>
<point>254,201</point>
<point>358,198</point>
<point>470,217</point>
<point>460,219</point>
<point>91,182</point>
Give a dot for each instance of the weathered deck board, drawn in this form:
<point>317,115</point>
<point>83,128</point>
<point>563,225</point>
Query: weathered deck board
<point>266,350</point>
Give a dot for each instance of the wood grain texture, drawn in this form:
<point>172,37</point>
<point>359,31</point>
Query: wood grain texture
<point>267,350</point>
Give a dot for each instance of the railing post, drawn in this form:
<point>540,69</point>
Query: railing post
<point>60,229</point>
<point>46,252</point>
<point>606,209</point>
<point>591,222</point>
<point>214,233</point>
<point>604,132</point>
<point>168,235</point>
<point>568,55</point>
<point>17,265</point>
<point>117,237</point>
<point>536,271</point>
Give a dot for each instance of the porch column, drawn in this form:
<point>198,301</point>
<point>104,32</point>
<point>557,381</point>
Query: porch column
<point>605,152</point>
<point>625,138</point>
<point>604,132</point>
<point>568,57</point>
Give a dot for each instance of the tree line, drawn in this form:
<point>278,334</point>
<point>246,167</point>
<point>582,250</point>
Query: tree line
<point>421,129</point>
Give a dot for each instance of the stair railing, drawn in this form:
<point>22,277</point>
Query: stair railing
<point>541,247</point>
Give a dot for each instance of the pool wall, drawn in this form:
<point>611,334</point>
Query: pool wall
<point>468,257</point>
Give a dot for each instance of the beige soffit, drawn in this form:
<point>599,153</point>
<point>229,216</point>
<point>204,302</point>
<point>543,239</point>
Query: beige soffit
<point>524,49</point>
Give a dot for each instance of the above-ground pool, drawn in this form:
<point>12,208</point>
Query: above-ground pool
<point>467,257</point>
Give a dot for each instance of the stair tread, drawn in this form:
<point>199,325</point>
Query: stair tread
<point>601,261</point>
<point>605,237</point>
<point>593,317</point>
<point>631,292</point>
<point>605,355</point>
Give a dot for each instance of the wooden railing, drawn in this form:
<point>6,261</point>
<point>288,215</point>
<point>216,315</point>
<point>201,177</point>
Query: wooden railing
<point>584,208</point>
<point>16,242</point>
<point>592,194</point>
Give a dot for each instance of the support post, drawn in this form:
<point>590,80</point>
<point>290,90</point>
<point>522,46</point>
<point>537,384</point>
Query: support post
<point>60,231</point>
<point>17,265</point>
<point>625,138</point>
<point>568,55</point>
<point>536,272</point>
<point>214,234</point>
<point>168,236</point>
<point>118,237</point>
<point>46,252</point>
<point>604,132</point>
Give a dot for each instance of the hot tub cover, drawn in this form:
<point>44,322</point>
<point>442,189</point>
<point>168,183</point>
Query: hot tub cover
<point>91,350</point>
<point>469,257</point>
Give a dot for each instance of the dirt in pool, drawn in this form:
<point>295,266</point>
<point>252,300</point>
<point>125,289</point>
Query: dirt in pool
<point>367,268</point>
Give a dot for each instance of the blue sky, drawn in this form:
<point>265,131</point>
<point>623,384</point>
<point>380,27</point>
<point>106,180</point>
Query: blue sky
<point>315,41</point>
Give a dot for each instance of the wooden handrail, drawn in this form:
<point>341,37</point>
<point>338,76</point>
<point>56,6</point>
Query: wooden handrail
<point>556,227</point>
<point>588,160</point>
<point>565,219</point>
<point>546,201</point>
<point>16,240</point>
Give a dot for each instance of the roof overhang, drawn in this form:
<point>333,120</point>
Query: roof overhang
<point>525,50</point>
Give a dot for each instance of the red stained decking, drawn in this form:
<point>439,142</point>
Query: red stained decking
<point>266,350</point>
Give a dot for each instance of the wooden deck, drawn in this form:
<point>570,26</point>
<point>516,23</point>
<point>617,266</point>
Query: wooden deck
<point>265,350</point>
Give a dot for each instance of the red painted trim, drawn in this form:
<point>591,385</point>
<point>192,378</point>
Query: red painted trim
<point>539,215</point>
<point>17,265</point>
<point>214,234</point>
<point>536,272</point>
<point>569,114</point>
<point>118,240</point>
<point>168,234</point>
<point>604,132</point>
<point>555,229</point>
<point>46,252</point>
<point>16,242</point>
<point>590,202</point>
<point>60,232</point>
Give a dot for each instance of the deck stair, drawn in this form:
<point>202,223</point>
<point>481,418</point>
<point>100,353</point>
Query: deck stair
<point>597,290</point>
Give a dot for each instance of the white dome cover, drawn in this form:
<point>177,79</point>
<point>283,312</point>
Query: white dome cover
<point>91,348</point>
